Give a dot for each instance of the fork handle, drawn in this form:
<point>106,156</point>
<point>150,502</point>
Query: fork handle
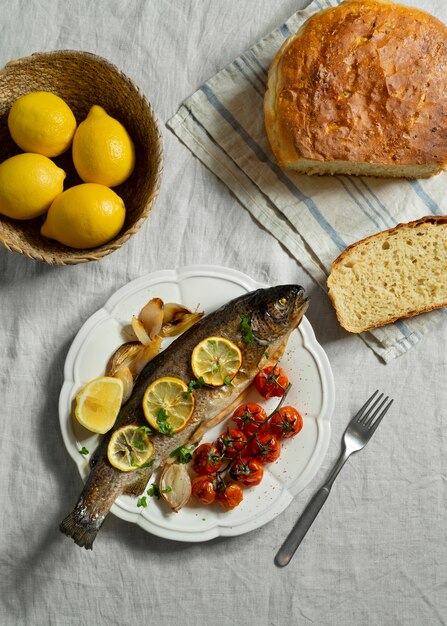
<point>296,535</point>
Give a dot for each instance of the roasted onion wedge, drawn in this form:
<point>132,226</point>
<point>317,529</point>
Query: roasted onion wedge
<point>175,485</point>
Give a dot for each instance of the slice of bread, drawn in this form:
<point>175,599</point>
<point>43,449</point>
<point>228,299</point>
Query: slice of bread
<point>361,89</point>
<point>397,273</point>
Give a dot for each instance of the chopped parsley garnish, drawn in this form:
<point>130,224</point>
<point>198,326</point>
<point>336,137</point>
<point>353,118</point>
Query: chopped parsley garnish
<point>266,354</point>
<point>183,453</point>
<point>147,464</point>
<point>83,450</point>
<point>142,502</point>
<point>163,423</point>
<point>154,491</point>
<point>195,384</point>
<point>215,368</point>
<point>227,380</point>
<point>247,333</point>
<point>146,430</point>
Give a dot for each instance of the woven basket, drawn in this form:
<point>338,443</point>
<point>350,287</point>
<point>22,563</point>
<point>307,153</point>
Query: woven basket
<point>82,80</point>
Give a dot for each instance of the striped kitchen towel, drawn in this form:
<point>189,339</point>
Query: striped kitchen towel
<point>315,218</point>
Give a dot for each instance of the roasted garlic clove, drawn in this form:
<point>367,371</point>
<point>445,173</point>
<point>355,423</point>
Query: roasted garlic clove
<point>144,355</point>
<point>151,316</point>
<point>140,331</point>
<point>178,318</point>
<point>125,375</point>
<point>123,357</point>
<point>175,485</point>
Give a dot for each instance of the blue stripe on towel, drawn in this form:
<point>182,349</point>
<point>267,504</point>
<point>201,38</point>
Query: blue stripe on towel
<point>262,156</point>
<point>256,61</point>
<point>392,219</point>
<point>284,30</point>
<point>253,71</point>
<point>247,78</point>
<point>426,198</point>
<point>342,182</point>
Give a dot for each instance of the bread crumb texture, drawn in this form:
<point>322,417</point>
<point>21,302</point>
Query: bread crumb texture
<point>396,273</point>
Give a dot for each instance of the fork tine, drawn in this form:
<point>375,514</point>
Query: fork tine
<point>381,416</point>
<point>377,406</point>
<point>358,416</point>
<point>364,417</point>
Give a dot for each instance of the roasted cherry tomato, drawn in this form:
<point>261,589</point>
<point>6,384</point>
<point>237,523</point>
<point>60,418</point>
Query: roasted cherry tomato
<point>206,459</point>
<point>231,442</point>
<point>248,417</point>
<point>203,488</point>
<point>229,496</point>
<point>249,473</point>
<point>272,381</point>
<point>265,448</point>
<point>286,423</point>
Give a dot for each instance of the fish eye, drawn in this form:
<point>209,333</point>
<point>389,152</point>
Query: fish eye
<point>283,301</point>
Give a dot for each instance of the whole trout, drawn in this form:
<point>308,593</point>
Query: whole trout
<point>259,323</point>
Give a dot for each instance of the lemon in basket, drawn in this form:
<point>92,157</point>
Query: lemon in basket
<point>103,151</point>
<point>98,404</point>
<point>42,122</point>
<point>168,404</point>
<point>85,216</point>
<point>216,360</point>
<point>28,185</point>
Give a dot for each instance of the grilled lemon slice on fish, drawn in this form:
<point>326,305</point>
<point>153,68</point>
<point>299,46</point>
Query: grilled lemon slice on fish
<point>168,404</point>
<point>130,447</point>
<point>98,404</point>
<point>217,360</point>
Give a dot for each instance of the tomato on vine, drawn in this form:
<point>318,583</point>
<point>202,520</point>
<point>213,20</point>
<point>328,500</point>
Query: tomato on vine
<point>249,472</point>
<point>207,459</point>
<point>271,381</point>
<point>248,418</point>
<point>231,442</point>
<point>286,423</point>
<point>265,448</point>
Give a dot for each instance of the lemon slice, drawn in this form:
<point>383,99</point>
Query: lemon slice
<point>216,360</point>
<point>98,404</point>
<point>129,448</point>
<point>168,404</point>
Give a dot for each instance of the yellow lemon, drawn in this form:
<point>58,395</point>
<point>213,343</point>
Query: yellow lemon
<point>168,404</point>
<point>130,448</point>
<point>85,216</point>
<point>217,360</point>
<point>103,152</point>
<point>42,122</point>
<point>28,185</point>
<point>98,404</point>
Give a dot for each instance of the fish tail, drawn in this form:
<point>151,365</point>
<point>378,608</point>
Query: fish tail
<point>81,526</point>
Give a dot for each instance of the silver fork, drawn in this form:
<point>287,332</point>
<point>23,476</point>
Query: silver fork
<point>357,434</point>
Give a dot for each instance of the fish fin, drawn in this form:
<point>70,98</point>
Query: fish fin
<point>80,527</point>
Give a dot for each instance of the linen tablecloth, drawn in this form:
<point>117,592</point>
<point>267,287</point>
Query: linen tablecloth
<point>382,530</point>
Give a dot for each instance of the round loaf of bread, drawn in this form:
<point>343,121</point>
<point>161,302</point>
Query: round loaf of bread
<point>361,89</point>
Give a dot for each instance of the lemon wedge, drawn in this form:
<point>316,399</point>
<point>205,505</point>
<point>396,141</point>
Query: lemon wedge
<point>98,404</point>
<point>129,448</point>
<point>168,404</point>
<point>216,360</point>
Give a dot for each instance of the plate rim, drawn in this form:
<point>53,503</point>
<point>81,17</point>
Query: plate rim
<point>310,343</point>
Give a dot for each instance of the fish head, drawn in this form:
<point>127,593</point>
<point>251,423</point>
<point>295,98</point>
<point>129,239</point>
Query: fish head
<point>276,311</point>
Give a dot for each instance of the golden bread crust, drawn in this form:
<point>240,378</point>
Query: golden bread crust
<point>363,82</point>
<point>431,219</point>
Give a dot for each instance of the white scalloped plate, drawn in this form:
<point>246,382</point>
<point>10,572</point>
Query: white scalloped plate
<point>312,393</point>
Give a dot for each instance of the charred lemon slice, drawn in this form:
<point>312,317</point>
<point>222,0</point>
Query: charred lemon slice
<point>98,404</point>
<point>217,360</point>
<point>129,448</point>
<point>168,404</point>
